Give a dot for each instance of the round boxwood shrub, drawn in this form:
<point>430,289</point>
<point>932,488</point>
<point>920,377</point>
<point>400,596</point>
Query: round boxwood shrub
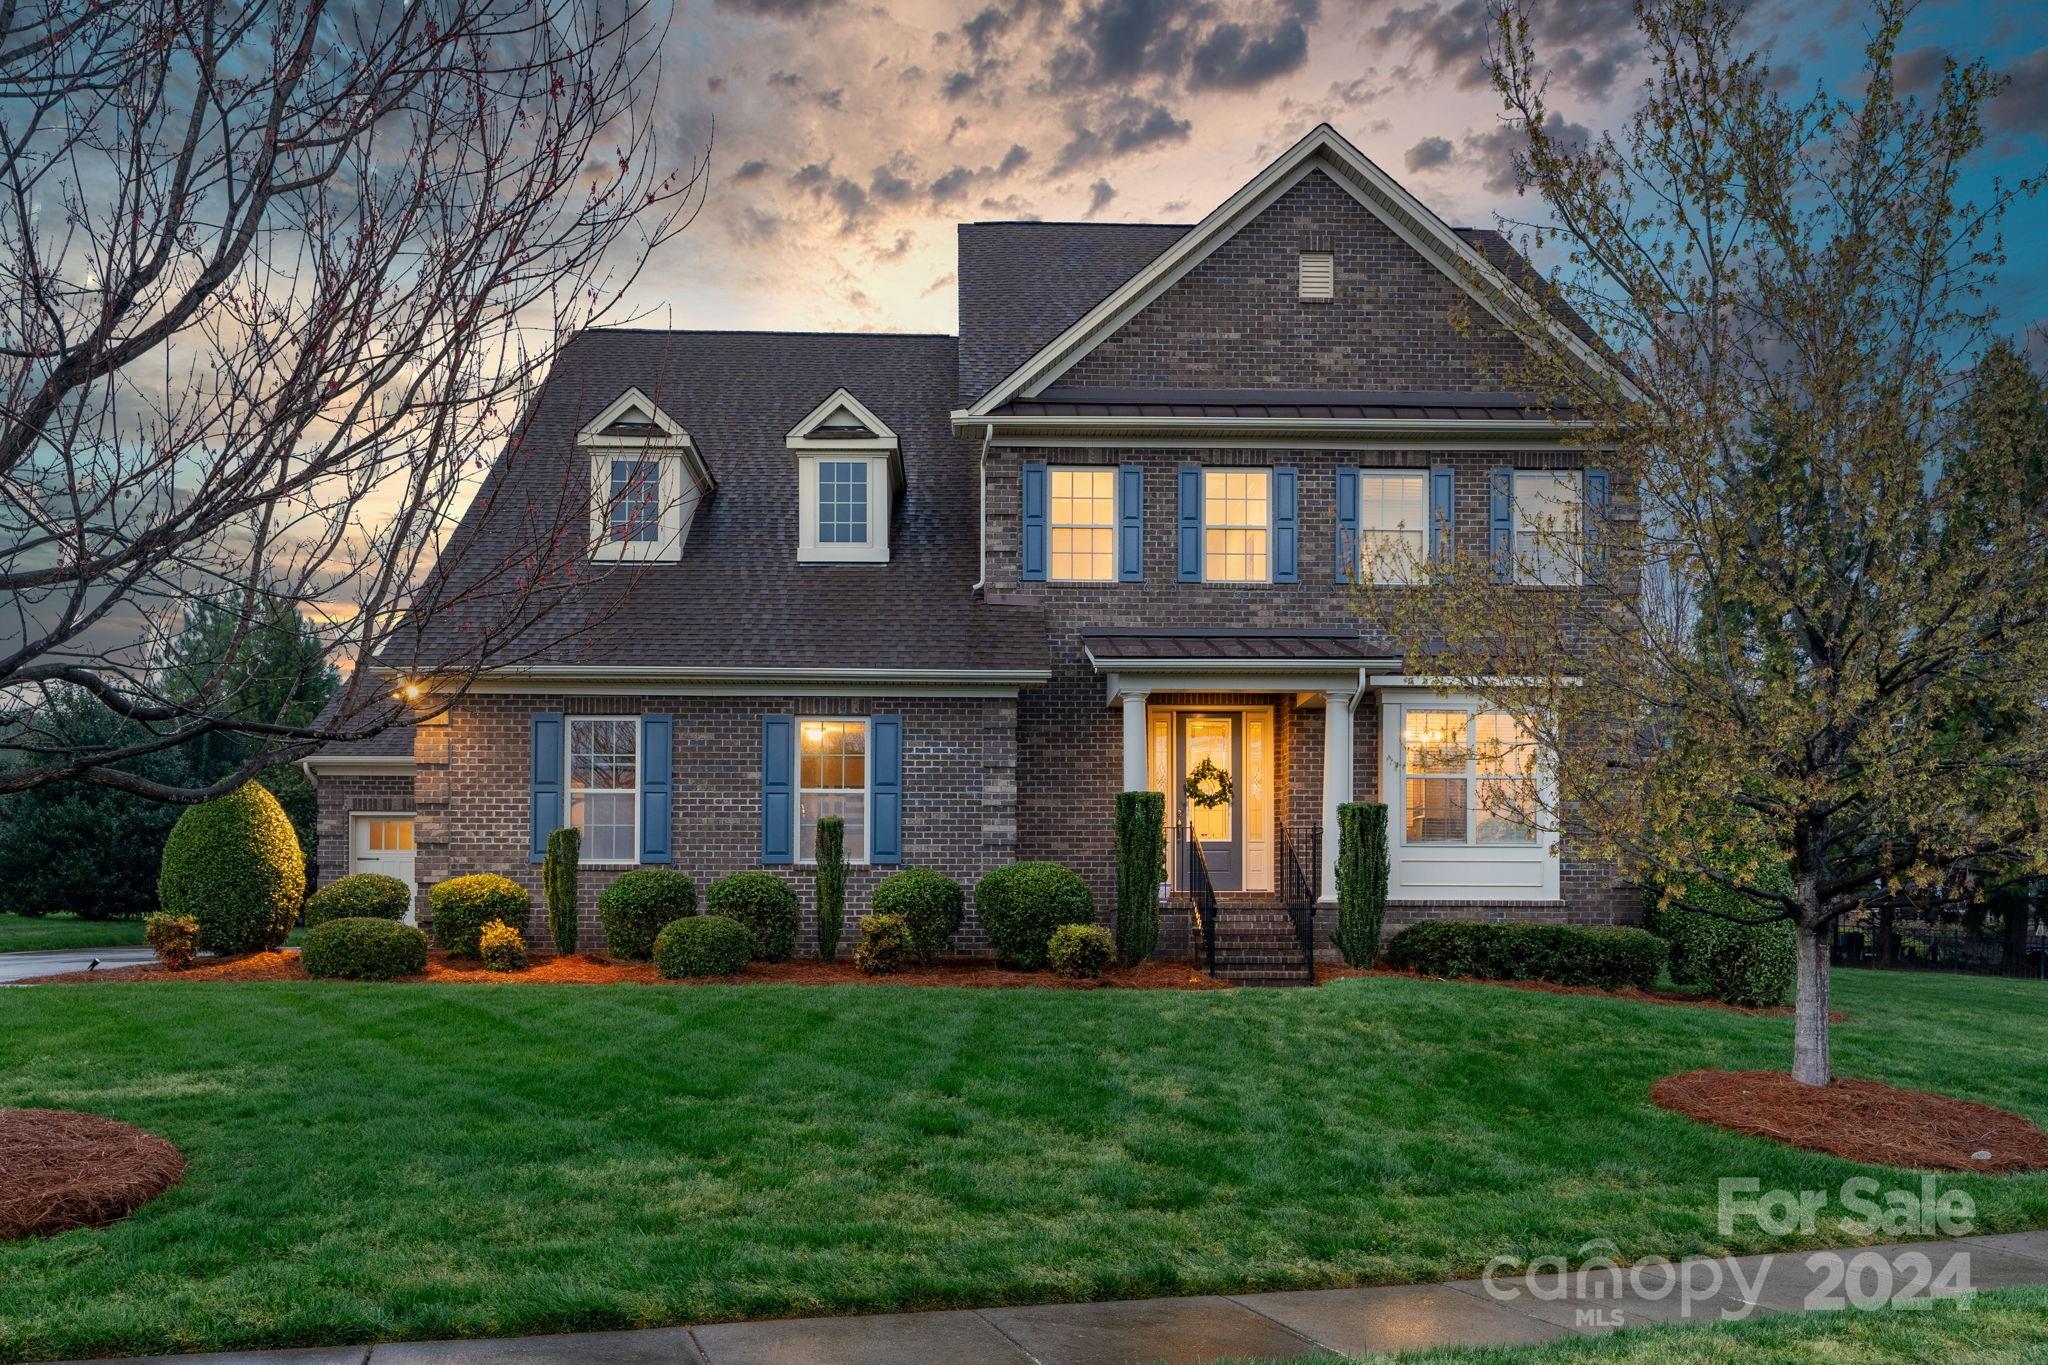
<point>639,905</point>
<point>885,945</point>
<point>234,865</point>
<point>702,945</point>
<point>364,950</point>
<point>931,903</point>
<point>1740,963</point>
<point>362,895</point>
<point>765,904</point>
<point>501,948</point>
<point>462,906</point>
<point>1020,906</point>
<point>1080,950</point>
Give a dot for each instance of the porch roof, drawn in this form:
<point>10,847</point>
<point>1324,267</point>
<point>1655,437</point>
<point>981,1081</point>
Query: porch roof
<point>1123,646</point>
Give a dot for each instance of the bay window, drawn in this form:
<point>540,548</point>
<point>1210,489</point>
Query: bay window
<point>1468,777</point>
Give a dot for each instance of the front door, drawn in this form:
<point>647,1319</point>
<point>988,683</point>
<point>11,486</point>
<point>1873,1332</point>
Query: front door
<point>1216,739</point>
<point>383,843</point>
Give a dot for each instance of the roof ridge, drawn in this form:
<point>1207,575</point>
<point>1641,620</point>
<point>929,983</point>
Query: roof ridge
<point>764,332</point>
<point>1064,222</point>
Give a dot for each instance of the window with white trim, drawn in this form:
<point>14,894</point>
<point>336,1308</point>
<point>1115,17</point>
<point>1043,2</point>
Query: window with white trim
<point>1550,527</point>
<point>844,517</point>
<point>1082,526</point>
<point>1237,525</point>
<point>604,786</point>
<point>1393,525</point>
<point>832,779</point>
<point>639,512</point>
<point>1469,777</point>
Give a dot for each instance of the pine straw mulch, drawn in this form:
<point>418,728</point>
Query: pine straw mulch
<point>1325,972</point>
<point>593,970</point>
<point>62,1170</point>
<point>1859,1120</point>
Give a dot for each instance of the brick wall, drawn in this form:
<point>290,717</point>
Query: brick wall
<point>342,796</point>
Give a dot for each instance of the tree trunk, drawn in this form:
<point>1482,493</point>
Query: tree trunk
<point>1887,937</point>
<point>1810,1061</point>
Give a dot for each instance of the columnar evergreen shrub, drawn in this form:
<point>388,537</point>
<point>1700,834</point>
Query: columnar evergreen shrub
<point>501,948</point>
<point>1362,871</point>
<point>831,885</point>
<point>364,950</point>
<point>932,905</point>
<point>462,906</point>
<point>639,905</point>
<point>1568,956</point>
<point>1140,867</point>
<point>234,864</point>
<point>558,886</point>
<point>884,946</point>
<point>703,945</point>
<point>1020,905</point>
<point>1080,950</point>
<point>764,903</point>
<point>361,895</point>
<point>174,939</point>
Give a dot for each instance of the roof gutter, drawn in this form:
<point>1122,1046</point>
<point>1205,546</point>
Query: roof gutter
<point>988,434</point>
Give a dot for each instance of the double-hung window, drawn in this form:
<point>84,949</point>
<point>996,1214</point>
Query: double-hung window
<point>604,786</point>
<point>1549,527</point>
<point>832,779</point>
<point>1469,777</point>
<point>1393,525</point>
<point>842,502</point>
<point>1237,525</point>
<point>1082,525</point>
<point>633,514</point>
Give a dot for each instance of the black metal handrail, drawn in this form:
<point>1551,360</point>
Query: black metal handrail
<point>1201,895</point>
<point>1301,888</point>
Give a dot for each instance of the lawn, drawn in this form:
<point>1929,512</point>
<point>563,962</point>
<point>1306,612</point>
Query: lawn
<point>24,933</point>
<point>378,1162</point>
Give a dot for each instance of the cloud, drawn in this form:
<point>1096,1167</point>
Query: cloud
<point>751,170</point>
<point>776,9</point>
<point>966,81</point>
<point>822,183</point>
<point>1014,159</point>
<point>983,29</point>
<point>942,282</point>
<point>1115,41</point>
<point>1585,44</point>
<point>890,188</point>
<point>2023,105</point>
<point>952,185</point>
<point>1130,125</point>
<point>1099,195</point>
<point>1231,58</point>
<point>1429,153</point>
<point>1495,152</point>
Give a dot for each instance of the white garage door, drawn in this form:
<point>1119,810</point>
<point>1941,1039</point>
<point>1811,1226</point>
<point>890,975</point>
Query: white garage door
<point>383,843</point>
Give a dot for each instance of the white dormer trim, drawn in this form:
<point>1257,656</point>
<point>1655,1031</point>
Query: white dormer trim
<point>684,478</point>
<point>880,453</point>
<point>842,401</point>
<point>629,401</point>
<point>1322,149</point>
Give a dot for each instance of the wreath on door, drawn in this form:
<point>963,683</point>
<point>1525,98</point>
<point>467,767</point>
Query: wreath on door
<point>1208,786</point>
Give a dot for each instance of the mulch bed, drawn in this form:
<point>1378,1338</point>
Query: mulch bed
<point>1859,1120</point>
<point>589,969</point>
<point>1333,973</point>
<point>61,1170</point>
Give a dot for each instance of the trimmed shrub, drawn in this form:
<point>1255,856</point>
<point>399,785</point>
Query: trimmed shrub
<point>501,948</point>
<point>558,887</point>
<point>361,895</point>
<point>1020,906</point>
<point>173,938</point>
<point>234,865</point>
<point>639,905</point>
<point>1080,950</point>
<point>764,904</point>
<point>885,945</point>
<point>1362,871</point>
<point>831,885</point>
<point>364,950</point>
<point>931,904</point>
<point>1742,964</point>
<point>1567,956</point>
<point>702,945</point>
<point>462,906</point>
<point>1140,867</point>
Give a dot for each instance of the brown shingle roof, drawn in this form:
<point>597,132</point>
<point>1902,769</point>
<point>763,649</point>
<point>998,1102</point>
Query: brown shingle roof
<point>1115,644</point>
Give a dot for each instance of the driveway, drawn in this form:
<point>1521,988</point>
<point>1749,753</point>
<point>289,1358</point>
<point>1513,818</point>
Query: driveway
<point>48,962</point>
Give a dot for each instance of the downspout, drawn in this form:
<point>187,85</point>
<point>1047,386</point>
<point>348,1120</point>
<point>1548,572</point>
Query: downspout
<point>988,434</point>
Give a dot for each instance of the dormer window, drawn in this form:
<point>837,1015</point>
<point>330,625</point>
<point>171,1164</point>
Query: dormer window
<point>849,472</point>
<point>647,479</point>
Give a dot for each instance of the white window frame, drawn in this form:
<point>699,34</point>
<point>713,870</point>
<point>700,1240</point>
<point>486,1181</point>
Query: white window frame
<point>1115,518</point>
<point>1575,552</point>
<point>875,549</point>
<point>1434,870</point>
<point>1413,573</point>
<point>867,794</point>
<point>684,479</point>
<point>1267,471</point>
<point>569,787</point>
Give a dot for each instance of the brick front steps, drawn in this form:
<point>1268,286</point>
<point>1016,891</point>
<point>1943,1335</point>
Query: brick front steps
<point>1257,946</point>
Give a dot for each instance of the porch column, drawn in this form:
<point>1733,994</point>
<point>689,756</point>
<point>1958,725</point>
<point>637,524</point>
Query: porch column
<point>1337,782</point>
<point>1135,774</point>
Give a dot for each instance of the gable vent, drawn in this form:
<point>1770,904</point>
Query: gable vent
<point>1318,276</point>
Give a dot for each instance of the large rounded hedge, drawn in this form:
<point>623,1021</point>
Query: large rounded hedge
<point>1020,906</point>
<point>462,906</point>
<point>234,864</point>
<point>639,905</point>
<point>765,904</point>
<point>931,903</point>
<point>1742,963</point>
<point>362,895</point>
<point>364,950</point>
<point>703,945</point>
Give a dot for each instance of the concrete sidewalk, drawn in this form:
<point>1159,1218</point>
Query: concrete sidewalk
<point>51,961</point>
<point>1326,1323</point>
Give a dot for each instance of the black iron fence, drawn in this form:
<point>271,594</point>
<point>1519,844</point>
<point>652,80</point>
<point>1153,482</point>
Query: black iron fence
<point>1916,945</point>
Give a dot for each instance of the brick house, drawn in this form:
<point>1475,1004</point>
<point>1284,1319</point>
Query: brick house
<point>962,591</point>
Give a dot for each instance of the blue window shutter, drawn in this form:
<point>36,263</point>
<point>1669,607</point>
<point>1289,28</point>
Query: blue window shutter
<point>1347,525</point>
<point>778,789</point>
<point>547,780</point>
<point>1501,542</point>
<point>1130,524</point>
<point>657,759</point>
<point>1190,524</point>
<point>1032,569</point>
<point>1286,529</point>
<point>885,789</point>
<point>1442,515</point>
<point>1596,522</point>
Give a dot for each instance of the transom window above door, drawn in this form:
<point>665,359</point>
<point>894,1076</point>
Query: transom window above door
<point>1469,777</point>
<point>1237,525</point>
<point>1082,525</point>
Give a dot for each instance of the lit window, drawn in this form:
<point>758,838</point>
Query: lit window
<point>1549,512</point>
<point>1437,754</point>
<point>1237,524</point>
<point>832,780</point>
<point>636,500</point>
<point>604,792</point>
<point>1083,525</point>
<point>842,502</point>
<point>1505,812</point>
<point>1469,778</point>
<point>1393,523</point>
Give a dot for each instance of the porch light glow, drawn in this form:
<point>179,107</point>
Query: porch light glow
<point>409,690</point>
